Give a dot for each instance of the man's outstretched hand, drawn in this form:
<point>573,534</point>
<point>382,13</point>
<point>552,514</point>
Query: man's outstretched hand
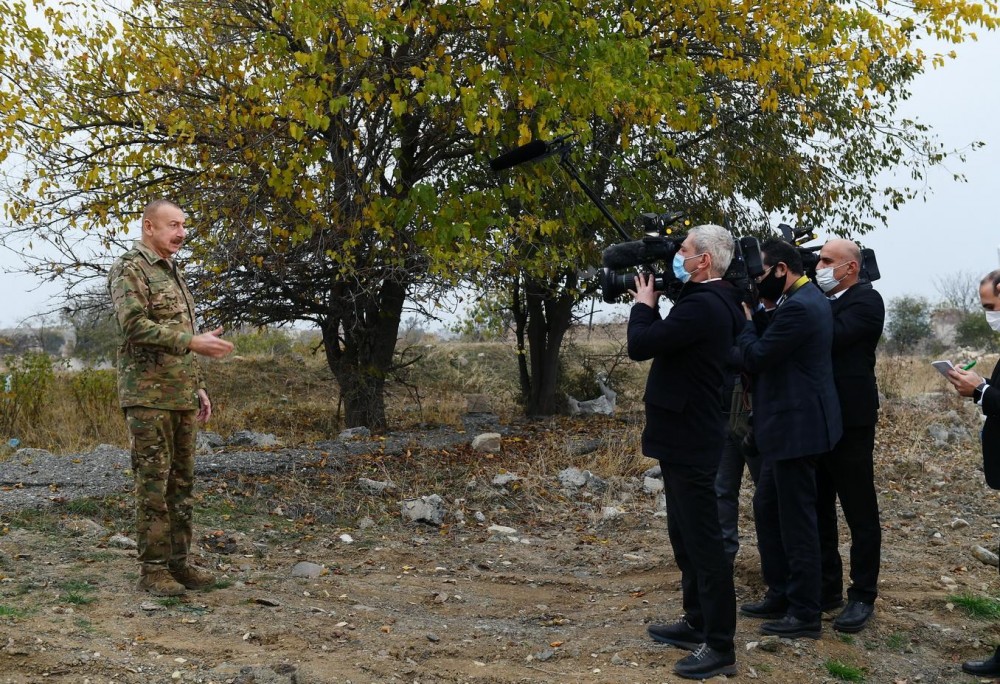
<point>211,344</point>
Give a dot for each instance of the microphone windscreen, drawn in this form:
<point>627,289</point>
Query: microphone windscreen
<point>519,155</point>
<point>624,255</point>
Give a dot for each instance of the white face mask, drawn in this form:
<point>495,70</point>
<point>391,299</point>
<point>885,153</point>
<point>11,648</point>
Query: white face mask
<point>825,279</point>
<point>993,318</point>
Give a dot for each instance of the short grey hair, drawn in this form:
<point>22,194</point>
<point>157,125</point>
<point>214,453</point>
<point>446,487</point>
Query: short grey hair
<point>150,210</point>
<point>718,242</point>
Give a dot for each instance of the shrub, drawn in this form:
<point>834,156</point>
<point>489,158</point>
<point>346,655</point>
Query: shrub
<point>909,323</point>
<point>25,391</point>
<point>96,395</point>
<point>973,331</point>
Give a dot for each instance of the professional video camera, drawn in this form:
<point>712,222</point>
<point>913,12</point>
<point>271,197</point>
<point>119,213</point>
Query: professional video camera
<point>660,245</point>
<point>661,241</point>
<point>810,255</point>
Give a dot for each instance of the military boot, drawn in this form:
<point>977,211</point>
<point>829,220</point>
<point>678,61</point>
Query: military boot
<point>160,583</point>
<point>192,577</point>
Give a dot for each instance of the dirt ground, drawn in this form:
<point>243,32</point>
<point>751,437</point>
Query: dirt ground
<point>564,598</point>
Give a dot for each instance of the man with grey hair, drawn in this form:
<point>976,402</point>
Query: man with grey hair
<point>685,430</point>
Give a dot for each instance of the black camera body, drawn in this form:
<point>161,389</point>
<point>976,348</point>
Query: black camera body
<point>620,260</point>
<point>810,255</point>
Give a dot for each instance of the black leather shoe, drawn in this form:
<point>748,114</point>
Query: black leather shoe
<point>791,627</point>
<point>854,617</point>
<point>679,634</point>
<point>768,608</point>
<point>706,663</point>
<point>984,668</point>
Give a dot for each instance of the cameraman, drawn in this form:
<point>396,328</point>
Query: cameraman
<point>848,471</point>
<point>685,430</point>
<point>796,417</point>
<point>986,394</point>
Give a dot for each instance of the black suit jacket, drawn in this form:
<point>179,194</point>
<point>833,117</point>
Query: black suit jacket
<point>795,408</point>
<point>991,430</point>
<point>689,349</point>
<point>858,318</point>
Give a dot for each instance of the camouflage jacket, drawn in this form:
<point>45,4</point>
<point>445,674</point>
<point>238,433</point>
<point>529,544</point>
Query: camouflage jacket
<point>155,314</point>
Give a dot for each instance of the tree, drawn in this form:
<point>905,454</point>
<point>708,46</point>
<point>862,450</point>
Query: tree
<point>973,331</point>
<point>909,323</point>
<point>331,152</point>
<point>92,318</point>
<point>309,141</point>
<point>959,291</point>
<point>786,108</point>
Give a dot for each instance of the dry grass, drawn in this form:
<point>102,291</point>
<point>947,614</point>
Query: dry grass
<point>903,377</point>
<point>294,396</point>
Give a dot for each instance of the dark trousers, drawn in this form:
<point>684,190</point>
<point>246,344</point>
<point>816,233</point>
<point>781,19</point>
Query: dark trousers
<point>784,507</point>
<point>848,473</point>
<point>737,453</point>
<point>706,573</point>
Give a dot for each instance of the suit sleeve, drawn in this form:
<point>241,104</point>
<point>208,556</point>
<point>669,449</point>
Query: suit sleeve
<point>862,319</point>
<point>130,296</point>
<point>991,397</point>
<point>686,324</point>
<point>784,334</point>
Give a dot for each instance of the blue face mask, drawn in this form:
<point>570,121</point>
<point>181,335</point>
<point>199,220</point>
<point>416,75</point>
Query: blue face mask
<point>679,271</point>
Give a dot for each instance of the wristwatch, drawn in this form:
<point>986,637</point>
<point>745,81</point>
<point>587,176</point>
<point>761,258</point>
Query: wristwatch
<point>977,394</point>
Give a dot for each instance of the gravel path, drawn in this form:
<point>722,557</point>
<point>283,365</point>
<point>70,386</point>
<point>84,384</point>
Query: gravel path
<point>35,478</point>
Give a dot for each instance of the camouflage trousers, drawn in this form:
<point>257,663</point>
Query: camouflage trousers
<point>163,465</point>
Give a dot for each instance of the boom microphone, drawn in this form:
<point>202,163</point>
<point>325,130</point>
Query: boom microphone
<point>527,152</point>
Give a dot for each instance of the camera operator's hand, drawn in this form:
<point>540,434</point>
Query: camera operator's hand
<point>644,292</point>
<point>964,381</point>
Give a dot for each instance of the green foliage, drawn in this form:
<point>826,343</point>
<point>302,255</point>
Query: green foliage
<point>909,323</point>
<point>973,331</point>
<point>77,592</point>
<point>898,641</point>
<point>342,159</point>
<point>979,607</point>
<point>8,611</point>
<point>24,391</point>
<point>844,672</point>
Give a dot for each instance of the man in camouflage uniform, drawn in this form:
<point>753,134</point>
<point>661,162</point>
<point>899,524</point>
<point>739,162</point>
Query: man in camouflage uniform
<point>162,393</point>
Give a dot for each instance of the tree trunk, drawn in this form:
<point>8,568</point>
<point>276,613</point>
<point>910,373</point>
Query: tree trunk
<point>549,313</point>
<point>359,342</point>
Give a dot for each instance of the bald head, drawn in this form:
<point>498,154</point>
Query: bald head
<point>844,258</point>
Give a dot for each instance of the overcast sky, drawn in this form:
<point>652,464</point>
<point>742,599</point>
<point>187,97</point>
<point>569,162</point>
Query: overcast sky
<point>954,230</point>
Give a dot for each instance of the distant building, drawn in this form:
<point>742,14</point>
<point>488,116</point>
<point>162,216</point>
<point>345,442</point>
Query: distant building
<point>944,323</point>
